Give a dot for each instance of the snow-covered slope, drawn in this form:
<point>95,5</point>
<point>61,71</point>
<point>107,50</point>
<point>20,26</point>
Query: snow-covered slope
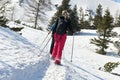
<point>18,57</point>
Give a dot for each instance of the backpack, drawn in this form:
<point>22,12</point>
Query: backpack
<point>52,27</point>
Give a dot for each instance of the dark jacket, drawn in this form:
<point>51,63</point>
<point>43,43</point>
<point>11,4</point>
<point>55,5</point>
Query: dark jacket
<point>61,25</point>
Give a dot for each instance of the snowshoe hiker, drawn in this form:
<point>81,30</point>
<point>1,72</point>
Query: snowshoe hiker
<point>61,26</point>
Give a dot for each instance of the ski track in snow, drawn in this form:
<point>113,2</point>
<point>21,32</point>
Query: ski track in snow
<point>77,70</point>
<point>68,71</point>
<point>55,72</point>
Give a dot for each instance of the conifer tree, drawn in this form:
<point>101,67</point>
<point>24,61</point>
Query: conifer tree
<point>81,17</point>
<point>3,19</point>
<point>90,19</point>
<point>84,24</point>
<point>37,12</point>
<point>81,14</point>
<point>64,6</point>
<point>32,11</point>
<point>104,30</point>
<point>75,19</point>
<point>98,16</point>
<point>20,2</point>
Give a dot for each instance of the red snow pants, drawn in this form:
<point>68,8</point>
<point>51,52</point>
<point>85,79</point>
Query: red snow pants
<point>58,46</point>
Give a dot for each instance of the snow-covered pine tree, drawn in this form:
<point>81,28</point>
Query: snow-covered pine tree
<point>3,19</point>
<point>90,19</point>
<point>20,2</point>
<point>83,23</point>
<point>81,18</point>
<point>98,16</point>
<point>34,11</point>
<point>104,30</point>
<point>40,2</point>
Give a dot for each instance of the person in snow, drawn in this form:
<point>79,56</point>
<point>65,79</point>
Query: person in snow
<point>62,24</point>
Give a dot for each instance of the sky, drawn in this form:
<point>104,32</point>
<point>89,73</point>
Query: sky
<point>117,1</point>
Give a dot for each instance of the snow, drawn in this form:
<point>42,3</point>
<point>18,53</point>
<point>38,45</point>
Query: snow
<point>19,57</point>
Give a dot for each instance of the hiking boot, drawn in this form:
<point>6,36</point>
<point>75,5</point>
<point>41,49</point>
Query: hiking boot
<point>57,62</point>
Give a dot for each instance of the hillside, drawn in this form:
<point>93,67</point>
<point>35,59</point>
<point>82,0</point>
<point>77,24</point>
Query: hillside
<point>18,57</point>
<point>24,12</point>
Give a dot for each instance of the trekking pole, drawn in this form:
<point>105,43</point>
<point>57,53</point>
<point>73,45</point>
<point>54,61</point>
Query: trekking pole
<point>44,47</point>
<point>44,39</point>
<point>72,47</point>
